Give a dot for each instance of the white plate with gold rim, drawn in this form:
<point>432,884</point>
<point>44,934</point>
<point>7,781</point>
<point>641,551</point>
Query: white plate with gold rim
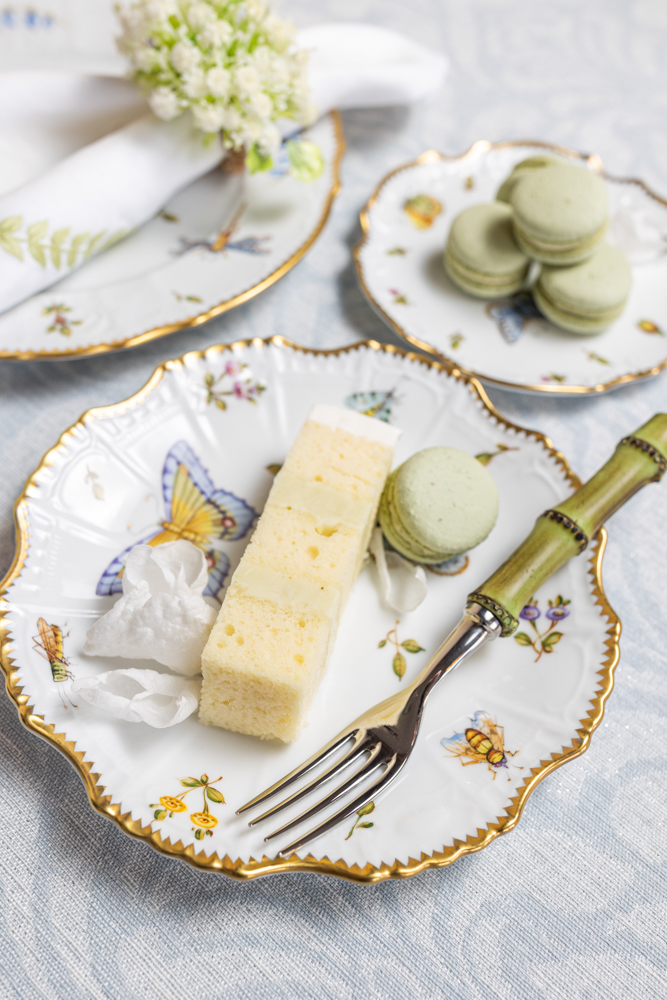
<point>216,244</point>
<point>101,489</point>
<point>504,342</point>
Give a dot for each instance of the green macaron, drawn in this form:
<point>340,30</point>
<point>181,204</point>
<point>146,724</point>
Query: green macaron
<point>481,256</point>
<point>531,163</point>
<point>559,213</point>
<point>589,296</point>
<point>438,504</point>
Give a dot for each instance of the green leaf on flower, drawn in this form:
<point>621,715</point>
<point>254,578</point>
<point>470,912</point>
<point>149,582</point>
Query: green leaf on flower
<point>11,224</point>
<point>160,814</point>
<point>412,646</point>
<point>199,834</point>
<point>93,244</point>
<point>522,639</point>
<point>220,403</point>
<point>256,161</point>
<point>191,782</point>
<point>204,779</point>
<point>306,160</point>
<point>57,241</point>
<point>484,457</point>
<point>36,232</point>
<point>365,826</point>
<point>214,795</point>
<point>366,810</point>
<point>551,640</point>
<point>75,246</point>
<point>382,643</point>
<point>399,665</point>
<point>10,245</point>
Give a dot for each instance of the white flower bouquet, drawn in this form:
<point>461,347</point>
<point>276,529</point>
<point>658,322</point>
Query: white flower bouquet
<point>233,64</point>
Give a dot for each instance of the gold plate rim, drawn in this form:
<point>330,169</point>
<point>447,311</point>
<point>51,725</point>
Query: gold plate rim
<point>238,869</point>
<point>481,146</point>
<point>136,340</point>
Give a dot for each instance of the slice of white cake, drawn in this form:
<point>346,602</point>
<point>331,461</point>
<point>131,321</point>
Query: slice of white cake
<point>276,629</point>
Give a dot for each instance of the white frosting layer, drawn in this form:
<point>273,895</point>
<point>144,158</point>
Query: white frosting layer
<point>340,418</point>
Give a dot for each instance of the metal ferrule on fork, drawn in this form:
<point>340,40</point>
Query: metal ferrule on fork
<point>382,739</point>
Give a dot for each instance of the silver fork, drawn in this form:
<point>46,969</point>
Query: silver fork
<point>383,738</point>
<point>385,735</point>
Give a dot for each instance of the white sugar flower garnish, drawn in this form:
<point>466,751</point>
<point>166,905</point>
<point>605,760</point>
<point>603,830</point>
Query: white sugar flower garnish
<point>161,615</point>
<point>233,63</point>
<point>160,700</point>
<point>402,584</point>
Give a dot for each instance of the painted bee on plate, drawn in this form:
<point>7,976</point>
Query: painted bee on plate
<point>49,644</point>
<point>482,742</point>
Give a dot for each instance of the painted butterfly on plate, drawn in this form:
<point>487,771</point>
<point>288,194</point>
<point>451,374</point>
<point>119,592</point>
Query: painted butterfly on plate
<point>372,404</point>
<point>194,510</point>
<point>511,315</point>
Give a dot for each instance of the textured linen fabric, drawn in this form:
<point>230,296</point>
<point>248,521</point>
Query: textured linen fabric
<point>573,904</point>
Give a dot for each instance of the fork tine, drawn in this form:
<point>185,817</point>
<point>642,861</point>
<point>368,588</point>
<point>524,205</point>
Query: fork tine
<point>368,766</point>
<point>349,810</point>
<point>323,754</point>
<point>358,748</point>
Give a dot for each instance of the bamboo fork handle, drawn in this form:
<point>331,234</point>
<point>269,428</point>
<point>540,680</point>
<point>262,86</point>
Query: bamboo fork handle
<point>565,531</point>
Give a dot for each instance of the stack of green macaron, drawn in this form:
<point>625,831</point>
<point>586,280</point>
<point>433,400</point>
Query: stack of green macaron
<point>438,504</point>
<point>554,213</point>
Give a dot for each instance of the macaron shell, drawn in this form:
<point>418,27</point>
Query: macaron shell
<point>445,499</point>
<point>562,255</point>
<point>600,283</point>
<point>568,321</point>
<point>531,163</point>
<point>477,284</point>
<point>481,255</point>
<point>559,204</point>
<point>481,239</point>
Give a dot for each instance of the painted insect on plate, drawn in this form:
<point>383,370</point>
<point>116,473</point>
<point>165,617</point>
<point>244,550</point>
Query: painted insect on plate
<point>49,644</point>
<point>483,742</point>
<point>373,403</point>
<point>512,315</point>
<point>196,511</point>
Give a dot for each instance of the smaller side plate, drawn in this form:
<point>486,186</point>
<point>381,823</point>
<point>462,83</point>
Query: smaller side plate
<point>506,342</point>
<point>216,244</point>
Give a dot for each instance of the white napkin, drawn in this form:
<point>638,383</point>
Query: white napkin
<point>160,700</point>
<point>161,615</point>
<point>58,221</point>
<point>97,195</point>
<point>361,66</point>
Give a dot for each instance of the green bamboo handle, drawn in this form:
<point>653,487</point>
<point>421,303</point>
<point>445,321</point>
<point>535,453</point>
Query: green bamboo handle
<point>565,530</point>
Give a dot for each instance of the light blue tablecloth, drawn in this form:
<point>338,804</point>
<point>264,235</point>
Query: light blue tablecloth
<point>571,906</point>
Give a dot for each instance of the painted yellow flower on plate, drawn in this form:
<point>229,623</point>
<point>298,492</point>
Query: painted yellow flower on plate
<point>204,820</point>
<point>172,804</point>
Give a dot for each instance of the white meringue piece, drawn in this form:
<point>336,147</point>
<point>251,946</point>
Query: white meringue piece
<point>161,615</point>
<point>160,700</point>
<point>402,584</point>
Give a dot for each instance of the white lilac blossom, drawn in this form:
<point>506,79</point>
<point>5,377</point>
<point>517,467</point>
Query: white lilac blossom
<point>231,63</point>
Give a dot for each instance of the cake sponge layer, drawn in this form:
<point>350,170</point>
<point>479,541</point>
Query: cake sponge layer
<point>244,690</point>
<point>276,629</point>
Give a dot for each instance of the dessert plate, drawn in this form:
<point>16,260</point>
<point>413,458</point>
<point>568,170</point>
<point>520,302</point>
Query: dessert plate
<point>507,342</point>
<point>229,415</point>
<point>216,244</point>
